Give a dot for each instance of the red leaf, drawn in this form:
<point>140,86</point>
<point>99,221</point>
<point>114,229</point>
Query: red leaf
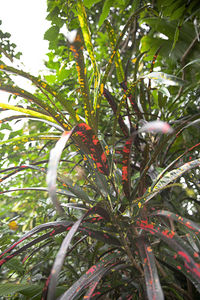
<point>92,146</point>
<point>126,176</point>
<point>154,290</point>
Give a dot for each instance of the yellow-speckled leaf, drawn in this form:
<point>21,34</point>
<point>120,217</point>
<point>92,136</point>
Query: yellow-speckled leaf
<point>118,62</point>
<point>27,111</point>
<point>87,38</point>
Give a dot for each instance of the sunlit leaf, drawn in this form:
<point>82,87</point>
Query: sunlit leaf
<point>171,176</point>
<point>163,78</point>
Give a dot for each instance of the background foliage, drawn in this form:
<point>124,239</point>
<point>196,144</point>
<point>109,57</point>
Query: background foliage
<point>155,75</point>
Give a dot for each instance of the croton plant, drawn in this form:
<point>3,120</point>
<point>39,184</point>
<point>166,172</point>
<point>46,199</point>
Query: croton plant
<point>113,186</point>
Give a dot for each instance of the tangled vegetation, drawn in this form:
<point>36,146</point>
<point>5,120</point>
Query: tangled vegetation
<point>100,165</point>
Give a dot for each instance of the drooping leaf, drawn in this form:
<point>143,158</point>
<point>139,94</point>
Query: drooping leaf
<point>163,78</point>
<point>169,177</point>
<point>26,111</point>
<point>59,228</point>
<point>154,290</point>
<point>54,159</point>
<point>59,191</point>
<point>58,117</point>
<point>91,278</point>
<point>183,251</point>
<point>42,85</point>
<point>50,285</point>
<point>32,137</point>
<point>188,223</point>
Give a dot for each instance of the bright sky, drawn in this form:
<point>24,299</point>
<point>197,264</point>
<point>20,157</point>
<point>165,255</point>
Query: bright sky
<point>25,20</point>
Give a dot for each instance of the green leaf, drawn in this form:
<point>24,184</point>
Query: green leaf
<point>153,286</point>
<point>163,78</point>
<point>27,111</point>
<point>52,33</point>
<point>88,42</point>
<point>162,182</point>
<point>90,3</point>
<point>105,11</point>
<point>1,136</point>
<point>11,288</point>
<point>15,265</point>
<point>5,126</point>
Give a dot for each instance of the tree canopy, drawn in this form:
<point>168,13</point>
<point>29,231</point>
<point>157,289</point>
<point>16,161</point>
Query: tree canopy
<point>100,164</point>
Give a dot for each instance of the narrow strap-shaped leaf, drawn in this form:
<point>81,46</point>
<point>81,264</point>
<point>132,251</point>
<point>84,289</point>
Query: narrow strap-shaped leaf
<point>74,188</point>
<point>177,266</point>
<point>19,117</point>
<point>188,223</point>
<point>132,100</point>
<point>92,276</point>
<point>77,49</point>
<point>118,62</point>
<point>26,95</point>
<point>126,171</point>
<point>54,159</point>
<point>183,251</point>
<point>160,148</point>
<point>57,225</point>
<point>119,39</point>
<point>164,78</point>
<point>32,137</point>
<point>171,176</point>
<point>57,229</point>
<point>88,42</point>
<point>43,85</point>
<point>62,252</point>
<point>59,191</point>
<point>34,231</point>
<point>27,111</point>
<point>101,236</point>
<point>154,290</point>
<point>92,146</point>
<point>113,105</point>
<point>173,163</point>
